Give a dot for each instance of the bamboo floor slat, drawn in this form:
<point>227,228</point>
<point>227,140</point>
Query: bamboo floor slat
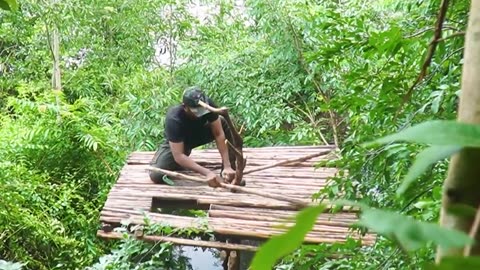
<point>135,197</point>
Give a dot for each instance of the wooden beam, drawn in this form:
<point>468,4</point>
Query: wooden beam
<point>286,162</point>
<point>296,202</point>
<point>181,241</point>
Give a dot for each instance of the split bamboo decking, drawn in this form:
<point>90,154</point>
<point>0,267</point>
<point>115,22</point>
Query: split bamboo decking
<point>229,215</point>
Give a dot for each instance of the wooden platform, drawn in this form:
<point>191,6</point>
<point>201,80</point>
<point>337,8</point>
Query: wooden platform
<point>237,215</point>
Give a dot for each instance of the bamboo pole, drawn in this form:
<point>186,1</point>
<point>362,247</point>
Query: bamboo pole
<point>248,229</point>
<point>296,202</point>
<point>181,241</point>
<point>243,227</point>
<point>286,162</point>
<point>345,217</point>
<point>252,204</point>
<point>236,221</point>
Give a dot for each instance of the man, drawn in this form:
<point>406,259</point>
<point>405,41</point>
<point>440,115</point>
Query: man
<point>187,126</point>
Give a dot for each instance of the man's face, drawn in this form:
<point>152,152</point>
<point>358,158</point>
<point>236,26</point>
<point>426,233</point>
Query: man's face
<point>196,112</point>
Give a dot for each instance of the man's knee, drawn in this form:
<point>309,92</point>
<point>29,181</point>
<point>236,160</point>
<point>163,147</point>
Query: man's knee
<point>163,159</point>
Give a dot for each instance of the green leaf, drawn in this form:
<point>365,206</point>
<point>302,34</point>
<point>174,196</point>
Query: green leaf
<point>462,210</point>
<point>411,234</point>
<point>436,104</point>
<point>454,263</point>
<point>437,132</point>
<point>4,5</point>
<point>283,244</point>
<point>8,4</point>
<point>423,160</point>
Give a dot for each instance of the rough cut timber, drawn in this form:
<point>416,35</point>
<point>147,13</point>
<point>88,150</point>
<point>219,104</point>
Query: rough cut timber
<point>230,215</point>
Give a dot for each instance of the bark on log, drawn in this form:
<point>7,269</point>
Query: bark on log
<point>462,185</point>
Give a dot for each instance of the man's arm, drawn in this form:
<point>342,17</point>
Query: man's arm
<point>217,130</point>
<point>219,136</point>
<point>185,161</point>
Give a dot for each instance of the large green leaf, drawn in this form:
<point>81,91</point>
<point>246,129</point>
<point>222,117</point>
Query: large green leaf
<point>424,159</point>
<point>283,244</point>
<point>8,4</point>
<point>454,263</point>
<point>437,132</point>
<point>411,234</point>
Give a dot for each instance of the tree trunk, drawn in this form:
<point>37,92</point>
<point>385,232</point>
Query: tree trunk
<point>56,77</point>
<point>463,180</point>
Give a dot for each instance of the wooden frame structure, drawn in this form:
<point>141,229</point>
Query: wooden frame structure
<point>230,216</point>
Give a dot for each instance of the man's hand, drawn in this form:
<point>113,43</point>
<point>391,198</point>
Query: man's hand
<point>228,174</point>
<point>213,180</point>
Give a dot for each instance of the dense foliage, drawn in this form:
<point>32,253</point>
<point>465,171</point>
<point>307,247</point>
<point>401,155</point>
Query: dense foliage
<point>292,72</point>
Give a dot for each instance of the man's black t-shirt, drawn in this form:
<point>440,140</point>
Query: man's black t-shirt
<point>181,128</point>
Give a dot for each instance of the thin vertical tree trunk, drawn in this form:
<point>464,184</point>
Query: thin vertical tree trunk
<point>171,43</point>
<point>54,44</point>
<point>56,75</point>
<point>462,186</point>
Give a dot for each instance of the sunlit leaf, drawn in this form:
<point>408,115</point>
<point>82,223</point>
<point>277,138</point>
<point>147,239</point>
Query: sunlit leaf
<point>281,245</point>
<point>436,104</point>
<point>4,265</point>
<point>437,132</point>
<point>423,160</point>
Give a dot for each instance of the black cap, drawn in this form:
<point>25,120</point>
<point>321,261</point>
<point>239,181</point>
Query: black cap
<point>191,97</point>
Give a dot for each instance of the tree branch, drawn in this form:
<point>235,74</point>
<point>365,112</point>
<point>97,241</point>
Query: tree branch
<point>323,93</point>
<point>462,33</point>
<point>429,29</point>
<point>237,152</point>
<point>313,121</point>
<point>237,141</point>
<point>431,50</point>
